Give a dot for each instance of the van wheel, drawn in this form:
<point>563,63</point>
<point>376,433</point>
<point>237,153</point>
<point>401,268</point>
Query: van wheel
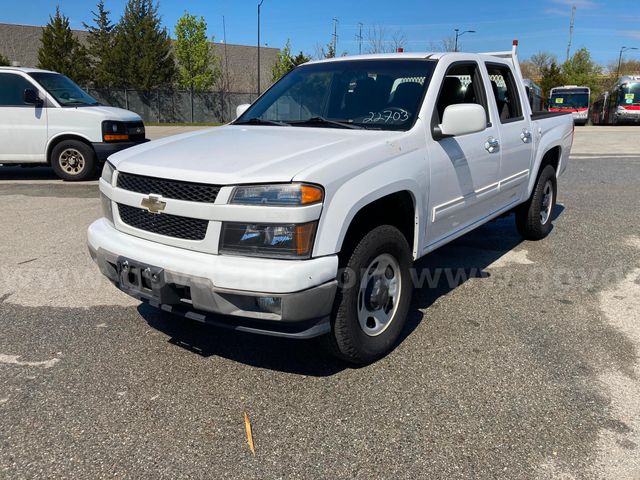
<point>73,160</point>
<point>533,218</point>
<point>373,299</point>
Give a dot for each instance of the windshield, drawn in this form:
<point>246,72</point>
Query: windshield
<point>66,93</point>
<point>372,94</point>
<point>568,100</point>
<point>630,94</point>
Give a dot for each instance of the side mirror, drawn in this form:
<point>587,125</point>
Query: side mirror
<point>240,109</point>
<point>32,97</point>
<point>462,119</point>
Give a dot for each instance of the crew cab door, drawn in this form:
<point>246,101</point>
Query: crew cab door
<point>23,126</point>
<point>516,137</point>
<point>464,170</point>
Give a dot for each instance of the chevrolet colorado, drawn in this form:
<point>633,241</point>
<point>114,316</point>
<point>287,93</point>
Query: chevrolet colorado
<point>302,217</point>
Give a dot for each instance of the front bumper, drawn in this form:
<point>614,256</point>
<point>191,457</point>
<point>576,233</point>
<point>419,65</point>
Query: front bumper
<point>226,286</point>
<point>105,150</point>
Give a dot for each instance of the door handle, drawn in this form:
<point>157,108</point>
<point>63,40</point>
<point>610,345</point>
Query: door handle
<point>525,136</point>
<point>492,145</point>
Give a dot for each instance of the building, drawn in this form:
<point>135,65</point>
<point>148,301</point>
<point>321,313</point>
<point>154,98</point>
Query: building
<point>20,43</point>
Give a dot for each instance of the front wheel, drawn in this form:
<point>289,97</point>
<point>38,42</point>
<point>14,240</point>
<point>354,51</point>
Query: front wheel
<point>373,299</point>
<point>73,160</point>
<point>533,218</point>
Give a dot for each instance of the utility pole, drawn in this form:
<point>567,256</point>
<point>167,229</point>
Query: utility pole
<point>359,38</point>
<point>335,36</point>
<point>573,18</point>
<point>259,6</point>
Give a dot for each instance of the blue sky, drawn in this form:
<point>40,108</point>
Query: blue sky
<point>602,26</point>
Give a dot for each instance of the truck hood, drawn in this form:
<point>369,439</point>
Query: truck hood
<point>235,154</point>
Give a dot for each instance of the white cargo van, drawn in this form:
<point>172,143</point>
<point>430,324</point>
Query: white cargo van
<point>45,118</point>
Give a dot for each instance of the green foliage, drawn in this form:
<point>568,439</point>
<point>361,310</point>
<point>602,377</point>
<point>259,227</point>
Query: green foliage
<point>551,76</point>
<point>61,51</point>
<point>142,52</point>
<point>101,40</point>
<point>198,67</point>
<point>580,69</point>
<point>4,61</point>
<point>286,62</point>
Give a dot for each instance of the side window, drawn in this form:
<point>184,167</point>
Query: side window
<point>12,89</point>
<point>505,92</point>
<point>462,84</point>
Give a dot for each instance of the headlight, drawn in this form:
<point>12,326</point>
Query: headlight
<point>268,240</point>
<point>289,194</point>
<point>107,172</point>
<point>113,131</point>
<point>107,209</point>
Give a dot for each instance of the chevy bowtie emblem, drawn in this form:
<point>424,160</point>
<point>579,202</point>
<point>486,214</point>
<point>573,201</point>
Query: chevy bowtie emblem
<point>153,203</point>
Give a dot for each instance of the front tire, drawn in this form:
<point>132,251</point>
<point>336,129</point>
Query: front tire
<point>73,160</point>
<point>373,299</point>
<point>533,218</point>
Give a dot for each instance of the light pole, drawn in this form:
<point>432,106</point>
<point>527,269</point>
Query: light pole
<point>259,6</point>
<point>455,49</point>
<point>622,50</point>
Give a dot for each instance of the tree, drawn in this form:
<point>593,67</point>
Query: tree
<point>142,48</point>
<point>101,39</point>
<point>580,69</point>
<point>286,62</point>
<point>551,76</point>
<point>198,67</point>
<point>447,44</point>
<point>4,61</point>
<point>61,51</point>
<point>532,68</point>
<point>379,40</point>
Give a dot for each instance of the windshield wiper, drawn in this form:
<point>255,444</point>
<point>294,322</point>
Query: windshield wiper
<point>326,122</point>
<point>260,121</point>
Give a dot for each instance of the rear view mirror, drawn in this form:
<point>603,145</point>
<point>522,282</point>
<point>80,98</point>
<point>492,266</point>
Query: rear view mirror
<point>462,119</point>
<point>240,109</point>
<point>32,97</point>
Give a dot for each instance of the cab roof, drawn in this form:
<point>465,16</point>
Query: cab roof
<point>25,69</point>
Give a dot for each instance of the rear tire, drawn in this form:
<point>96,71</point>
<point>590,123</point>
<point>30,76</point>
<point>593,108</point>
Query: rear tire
<point>73,160</point>
<point>373,300</point>
<point>533,218</point>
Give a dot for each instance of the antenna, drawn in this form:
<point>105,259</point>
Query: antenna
<point>359,37</point>
<point>573,18</point>
<point>335,36</point>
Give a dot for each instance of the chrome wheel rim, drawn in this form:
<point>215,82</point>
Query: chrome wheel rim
<point>379,294</point>
<point>547,202</point>
<point>71,161</point>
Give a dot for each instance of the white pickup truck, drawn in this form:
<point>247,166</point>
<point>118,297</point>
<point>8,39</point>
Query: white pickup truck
<point>45,118</point>
<point>302,218</point>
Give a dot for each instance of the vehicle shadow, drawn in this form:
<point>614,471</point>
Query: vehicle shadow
<point>464,258</point>
<point>27,173</point>
<point>467,257</point>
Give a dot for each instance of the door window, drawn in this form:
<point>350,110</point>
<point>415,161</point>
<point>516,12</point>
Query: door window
<point>12,89</point>
<point>505,93</point>
<point>462,84</point>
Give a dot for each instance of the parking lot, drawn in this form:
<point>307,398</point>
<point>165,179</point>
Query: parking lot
<point>524,366</point>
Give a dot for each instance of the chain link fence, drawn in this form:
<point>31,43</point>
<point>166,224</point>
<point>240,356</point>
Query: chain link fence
<point>175,106</point>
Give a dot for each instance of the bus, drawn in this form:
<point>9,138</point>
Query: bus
<point>535,96</point>
<point>621,105</point>
<point>571,98</point>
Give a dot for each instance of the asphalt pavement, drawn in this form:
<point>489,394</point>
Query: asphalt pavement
<point>520,359</point>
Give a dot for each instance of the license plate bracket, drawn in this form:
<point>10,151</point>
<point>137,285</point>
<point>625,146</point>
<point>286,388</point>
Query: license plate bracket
<point>144,281</point>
